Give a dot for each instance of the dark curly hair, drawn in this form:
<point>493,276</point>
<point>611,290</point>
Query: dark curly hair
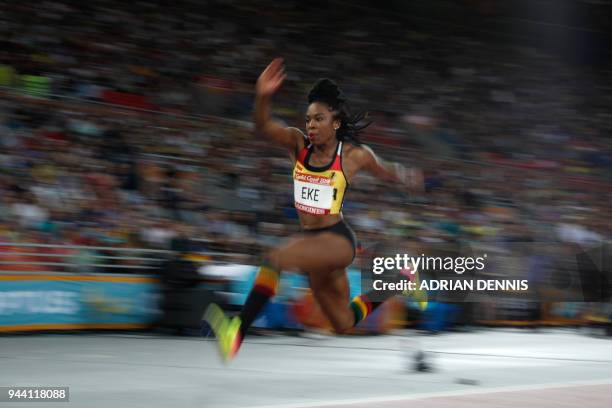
<point>327,91</point>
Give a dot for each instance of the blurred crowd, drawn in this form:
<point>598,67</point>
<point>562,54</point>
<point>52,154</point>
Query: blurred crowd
<point>515,143</point>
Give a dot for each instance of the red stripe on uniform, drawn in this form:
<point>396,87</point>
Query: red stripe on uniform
<point>302,155</point>
<point>337,164</point>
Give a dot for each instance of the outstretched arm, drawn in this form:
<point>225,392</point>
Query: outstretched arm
<point>268,83</point>
<point>391,172</point>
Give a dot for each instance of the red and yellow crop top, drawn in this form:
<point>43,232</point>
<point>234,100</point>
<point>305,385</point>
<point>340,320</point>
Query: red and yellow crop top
<point>319,190</point>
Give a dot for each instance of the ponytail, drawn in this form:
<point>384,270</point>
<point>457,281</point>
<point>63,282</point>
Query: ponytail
<point>326,90</point>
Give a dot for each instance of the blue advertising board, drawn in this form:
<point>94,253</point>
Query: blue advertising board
<point>59,302</point>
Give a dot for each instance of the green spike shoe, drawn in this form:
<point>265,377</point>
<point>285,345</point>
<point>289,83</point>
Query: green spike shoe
<point>226,329</point>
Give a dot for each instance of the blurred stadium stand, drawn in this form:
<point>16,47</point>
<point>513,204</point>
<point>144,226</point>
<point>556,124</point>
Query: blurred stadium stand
<point>128,126</point>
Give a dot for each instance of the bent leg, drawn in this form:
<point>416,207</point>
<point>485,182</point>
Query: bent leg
<point>322,253</point>
<point>332,293</point>
<point>316,255</point>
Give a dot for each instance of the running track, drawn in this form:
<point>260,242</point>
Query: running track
<point>488,368</point>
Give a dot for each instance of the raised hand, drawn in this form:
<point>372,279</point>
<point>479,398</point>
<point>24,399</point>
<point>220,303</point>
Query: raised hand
<point>412,178</point>
<point>271,78</point>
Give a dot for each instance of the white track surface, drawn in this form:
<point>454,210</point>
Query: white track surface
<point>488,368</point>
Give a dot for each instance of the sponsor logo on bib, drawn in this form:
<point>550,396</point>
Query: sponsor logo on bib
<point>309,178</point>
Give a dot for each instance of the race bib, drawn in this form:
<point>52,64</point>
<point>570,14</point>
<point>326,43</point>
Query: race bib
<point>314,196</point>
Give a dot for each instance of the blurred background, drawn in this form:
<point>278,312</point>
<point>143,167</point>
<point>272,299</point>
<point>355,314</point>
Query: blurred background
<point>133,190</point>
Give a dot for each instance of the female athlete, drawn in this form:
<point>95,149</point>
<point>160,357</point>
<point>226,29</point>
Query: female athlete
<point>325,162</point>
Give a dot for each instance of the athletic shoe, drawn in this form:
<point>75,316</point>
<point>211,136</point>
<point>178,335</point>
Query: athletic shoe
<point>226,329</point>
